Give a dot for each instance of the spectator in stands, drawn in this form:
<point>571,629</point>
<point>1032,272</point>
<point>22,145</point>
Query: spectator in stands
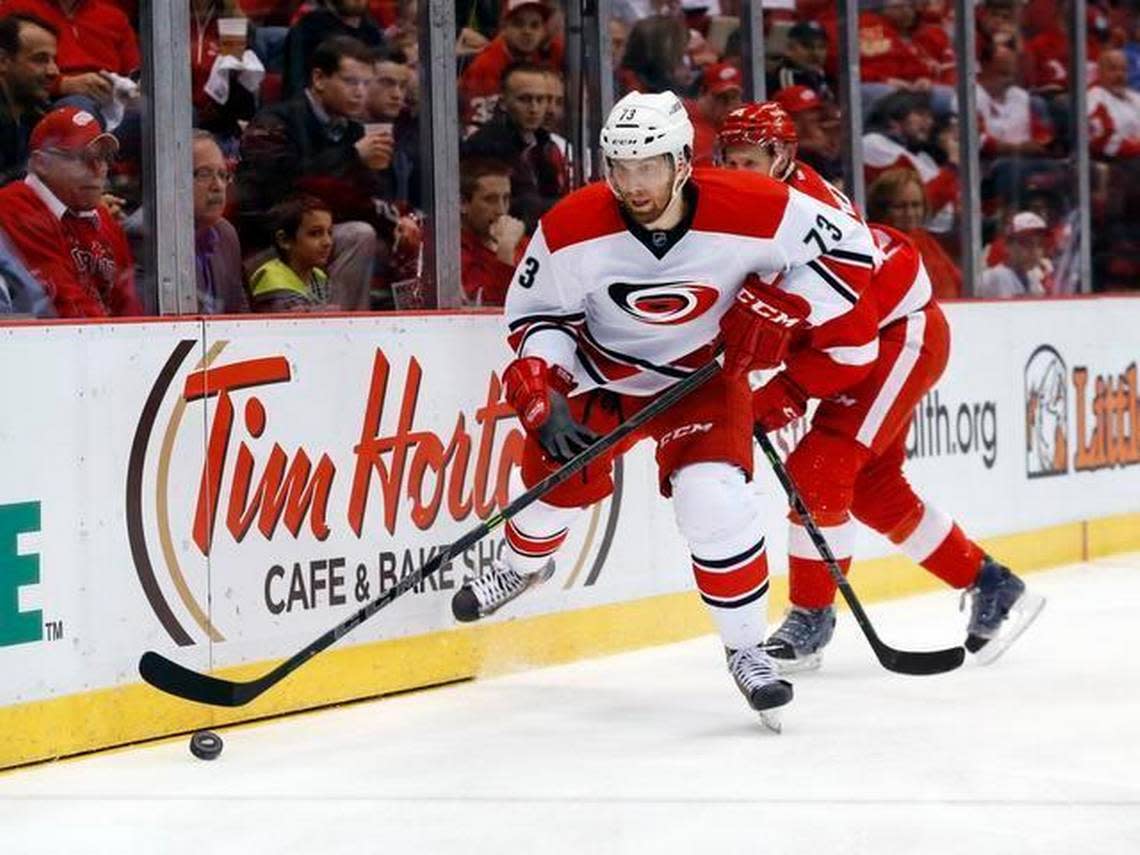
<point>900,134</point>
<point>1114,110</point>
<point>654,57</point>
<point>998,24</point>
<point>817,125</point>
<point>1047,53</point>
<point>899,51</point>
<point>96,40</point>
<point>1009,124</point>
<point>217,251</point>
<point>1026,271</point>
<point>555,121</point>
<point>226,75</point>
<point>56,222</point>
<point>27,74</point>
<point>313,144</point>
<point>722,90</point>
<point>515,135</point>
<point>898,199</point>
<point>803,61</point>
<point>388,106</point>
<point>339,18</point>
<point>493,241</point>
<point>20,292</point>
<point>295,280</point>
<point>523,37</point>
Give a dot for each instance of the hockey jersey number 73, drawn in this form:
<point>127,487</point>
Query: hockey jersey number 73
<point>635,310</point>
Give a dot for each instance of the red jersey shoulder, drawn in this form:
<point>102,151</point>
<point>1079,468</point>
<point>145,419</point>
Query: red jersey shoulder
<point>733,201</point>
<point>899,251</point>
<point>587,213</point>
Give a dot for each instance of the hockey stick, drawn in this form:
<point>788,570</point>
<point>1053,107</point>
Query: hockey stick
<point>175,679</point>
<point>901,661</point>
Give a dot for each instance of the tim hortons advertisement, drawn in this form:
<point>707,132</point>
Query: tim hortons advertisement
<point>311,471</point>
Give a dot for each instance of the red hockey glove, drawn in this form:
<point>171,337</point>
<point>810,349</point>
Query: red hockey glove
<point>537,392</point>
<point>758,327</point>
<point>777,403</point>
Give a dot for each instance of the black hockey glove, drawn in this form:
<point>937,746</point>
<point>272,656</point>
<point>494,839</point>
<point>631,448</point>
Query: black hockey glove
<point>560,436</point>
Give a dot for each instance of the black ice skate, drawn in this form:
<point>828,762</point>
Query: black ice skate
<point>797,644</point>
<point>1002,610</point>
<point>493,589</point>
<point>759,681</point>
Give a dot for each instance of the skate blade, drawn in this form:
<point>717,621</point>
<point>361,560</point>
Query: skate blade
<point>772,721</point>
<point>1023,613</point>
<point>811,662</point>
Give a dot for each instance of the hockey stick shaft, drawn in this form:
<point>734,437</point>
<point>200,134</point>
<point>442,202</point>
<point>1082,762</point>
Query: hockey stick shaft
<point>175,679</point>
<point>902,661</point>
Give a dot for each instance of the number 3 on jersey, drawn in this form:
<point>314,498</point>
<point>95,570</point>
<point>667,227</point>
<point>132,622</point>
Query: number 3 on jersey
<point>530,268</point>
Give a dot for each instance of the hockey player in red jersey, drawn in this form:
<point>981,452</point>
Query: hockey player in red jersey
<point>625,288</point>
<point>849,465</point>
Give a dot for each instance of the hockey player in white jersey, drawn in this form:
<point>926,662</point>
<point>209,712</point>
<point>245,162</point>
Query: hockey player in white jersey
<point>630,285</point>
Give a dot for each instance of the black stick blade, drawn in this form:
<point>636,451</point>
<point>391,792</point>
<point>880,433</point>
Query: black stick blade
<point>921,662</point>
<point>174,679</point>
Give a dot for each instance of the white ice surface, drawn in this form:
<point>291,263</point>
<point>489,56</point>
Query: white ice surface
<point>655,751</point>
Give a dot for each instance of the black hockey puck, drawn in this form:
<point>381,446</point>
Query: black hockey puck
<point>205,745</point>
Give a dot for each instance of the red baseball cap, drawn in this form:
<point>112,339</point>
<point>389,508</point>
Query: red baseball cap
<point>70,129</point>
<point>512,6</point>
<point>796,99</point>
<point>722,77</point>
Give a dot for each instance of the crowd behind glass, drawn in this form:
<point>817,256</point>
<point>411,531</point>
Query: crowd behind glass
<point>308,153</point>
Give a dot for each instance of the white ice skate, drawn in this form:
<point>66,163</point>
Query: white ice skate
<point>493,589</point>
<point>758,679</point>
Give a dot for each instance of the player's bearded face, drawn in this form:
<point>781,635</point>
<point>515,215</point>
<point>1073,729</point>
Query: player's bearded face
<point>644,186</point>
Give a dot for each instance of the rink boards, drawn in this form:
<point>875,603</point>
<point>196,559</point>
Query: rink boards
<point>225,491</point>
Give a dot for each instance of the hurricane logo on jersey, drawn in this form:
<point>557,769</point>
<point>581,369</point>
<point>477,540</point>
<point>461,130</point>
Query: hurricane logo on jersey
<point>666,303</point>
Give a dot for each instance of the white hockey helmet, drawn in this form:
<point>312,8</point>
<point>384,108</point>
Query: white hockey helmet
<point>647,124</point>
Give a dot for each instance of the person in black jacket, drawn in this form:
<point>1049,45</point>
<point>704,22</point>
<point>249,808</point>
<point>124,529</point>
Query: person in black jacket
<point>515,135</point>
<point>341,18</point>
<point>27,71</point>
<point>313,144</point>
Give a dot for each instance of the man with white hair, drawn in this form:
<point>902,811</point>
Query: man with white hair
<point>628,286</point>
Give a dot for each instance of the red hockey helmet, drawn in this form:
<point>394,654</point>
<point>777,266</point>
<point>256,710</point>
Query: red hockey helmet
<point>757,124</point>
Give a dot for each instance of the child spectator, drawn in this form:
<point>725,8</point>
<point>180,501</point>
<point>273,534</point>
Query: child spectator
<point>56,221</point>
<point>1026,271</point>
<point>27,74</point>
<point>492,240</point>
<point>313,144</point>
<point>295,281</point>
<point>523,37</point>
<point>339,18</point>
